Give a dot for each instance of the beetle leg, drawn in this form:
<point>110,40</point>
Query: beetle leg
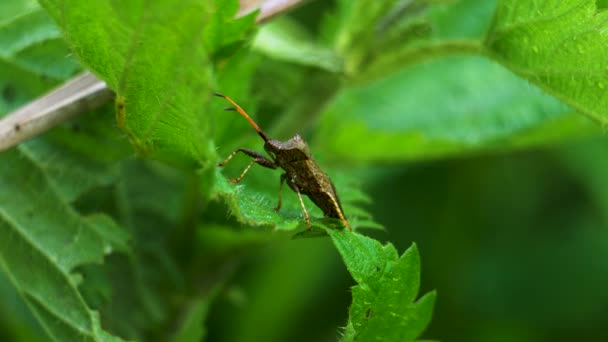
<point>257,158</point>
<point>297,190</point>
<point>339,210</point>
<point>283,177</point>
<point>238,179</point>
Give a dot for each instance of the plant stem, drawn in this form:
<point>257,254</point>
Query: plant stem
<point>417,54</point>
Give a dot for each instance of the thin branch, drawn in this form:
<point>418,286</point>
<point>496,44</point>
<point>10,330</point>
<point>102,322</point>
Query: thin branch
<point>85,91</point>
<point>78,95</point>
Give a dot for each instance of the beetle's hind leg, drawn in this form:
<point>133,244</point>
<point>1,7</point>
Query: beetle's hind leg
<point>257,158</point>
<point>297,190</point>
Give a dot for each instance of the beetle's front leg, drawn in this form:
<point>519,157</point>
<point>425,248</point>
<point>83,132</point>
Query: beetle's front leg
<point>257,158</point>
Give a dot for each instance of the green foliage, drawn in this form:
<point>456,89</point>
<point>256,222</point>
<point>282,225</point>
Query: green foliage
<point>382,306</point>
<point>130,52</point>
<point>40,228</point>
<point>559,45</point>
<point>368,29</point>
<point>28,40</point>
<point>101,245</point>
<point>285,40</point>
<point>498,111</point>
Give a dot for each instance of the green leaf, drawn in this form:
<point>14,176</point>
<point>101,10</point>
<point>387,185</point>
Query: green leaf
<point>19,324</point>
<point>285,40</point>
<point>18,85</point>
<point>29,41</point>
<point>464,19</point>
<point>32,56</point>
<point>372,30</point>
<point>443,29</point>
<point>383,306</point>
<point>439,108</point>
<point>254,199</point>
<point>145,292</point>
<point>11,9</point>
<point>40,229</point>
<point>558,45</point>
<point>70,173</point>
<point>223,31</point>
<point>43,178</point>
<point>155,57</point>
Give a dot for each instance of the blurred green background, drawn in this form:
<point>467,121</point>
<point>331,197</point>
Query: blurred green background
<point>502,187</point>
<point>515,243</point>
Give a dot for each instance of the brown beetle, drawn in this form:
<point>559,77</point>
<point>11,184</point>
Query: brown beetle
<point>302,173</point>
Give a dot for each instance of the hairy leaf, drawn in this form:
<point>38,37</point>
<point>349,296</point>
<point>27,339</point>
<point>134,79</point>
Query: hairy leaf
<point>40,229</point>
<point>384,306</point>
<point>41,179</point>
<point>156,56</point>
<point>253,202</point>
<point>558,45</point>
<point>70,173</point>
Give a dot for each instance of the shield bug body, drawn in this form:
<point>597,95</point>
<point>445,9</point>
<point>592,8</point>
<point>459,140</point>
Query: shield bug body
<point>302,173</point>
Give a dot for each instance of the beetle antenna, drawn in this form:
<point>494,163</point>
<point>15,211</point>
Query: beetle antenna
<point>243,113</point>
